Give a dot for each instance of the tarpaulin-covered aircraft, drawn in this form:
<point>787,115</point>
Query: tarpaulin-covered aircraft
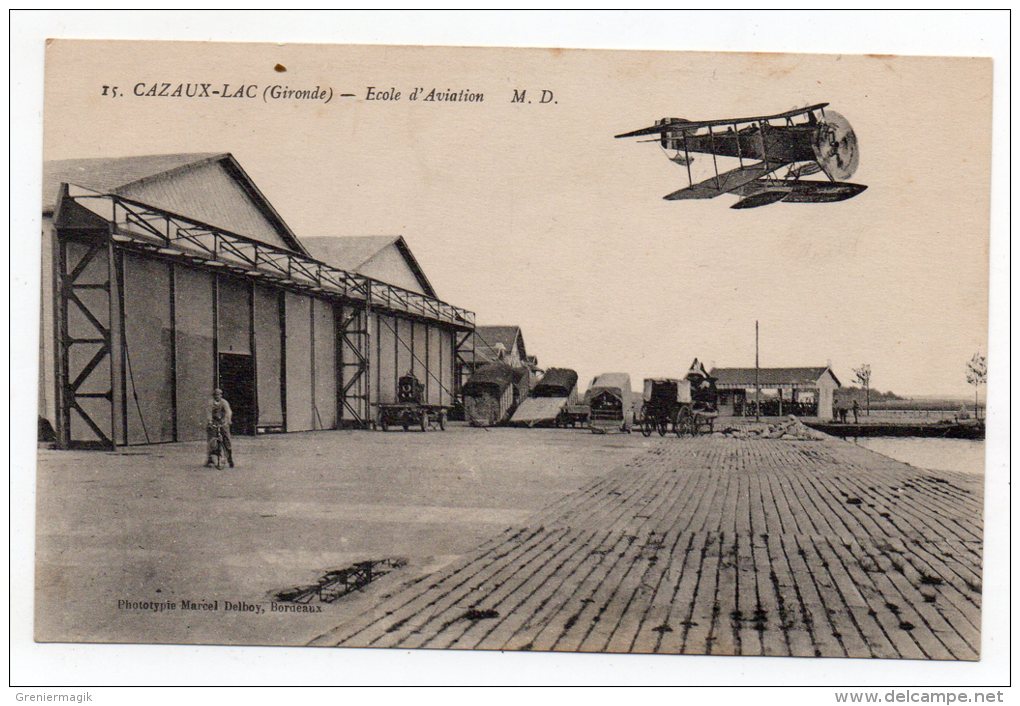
<point>775,152</point>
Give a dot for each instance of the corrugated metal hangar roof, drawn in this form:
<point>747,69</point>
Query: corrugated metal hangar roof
<point>110,175</point>
<point>202,185</point>
<point>355,251</point>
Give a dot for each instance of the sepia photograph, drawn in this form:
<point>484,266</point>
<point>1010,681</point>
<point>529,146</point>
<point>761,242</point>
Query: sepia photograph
<point>516,350</point>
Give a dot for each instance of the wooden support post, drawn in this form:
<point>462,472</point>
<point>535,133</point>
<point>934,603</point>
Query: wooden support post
<point>715,163</point>
<point>757,386</point>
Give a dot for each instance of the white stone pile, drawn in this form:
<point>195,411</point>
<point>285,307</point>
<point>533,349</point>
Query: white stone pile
<point>790,428</point>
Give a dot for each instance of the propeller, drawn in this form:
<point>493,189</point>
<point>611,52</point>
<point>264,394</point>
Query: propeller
<point>835,146</point>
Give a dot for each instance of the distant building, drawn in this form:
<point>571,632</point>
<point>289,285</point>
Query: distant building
<point>167,275</point>
<point>491,344</point>
<point>802,391</point>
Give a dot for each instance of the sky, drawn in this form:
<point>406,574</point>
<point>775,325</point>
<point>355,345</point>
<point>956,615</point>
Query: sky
<point>532,214</point>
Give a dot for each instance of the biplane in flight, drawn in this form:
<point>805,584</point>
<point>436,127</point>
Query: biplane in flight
<point>774,152</point>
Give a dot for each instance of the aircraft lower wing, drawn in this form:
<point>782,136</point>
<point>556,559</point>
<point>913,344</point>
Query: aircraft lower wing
<point>725,182</point>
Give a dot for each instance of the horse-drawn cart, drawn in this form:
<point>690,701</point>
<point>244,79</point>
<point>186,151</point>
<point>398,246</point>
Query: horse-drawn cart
<point>669,404</point>
<point>409,410</point>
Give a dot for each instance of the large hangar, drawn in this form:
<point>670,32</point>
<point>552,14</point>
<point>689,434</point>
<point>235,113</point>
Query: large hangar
<point>165,276</point>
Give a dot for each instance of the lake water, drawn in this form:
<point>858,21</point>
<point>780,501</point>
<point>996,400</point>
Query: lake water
<point>965,455</point>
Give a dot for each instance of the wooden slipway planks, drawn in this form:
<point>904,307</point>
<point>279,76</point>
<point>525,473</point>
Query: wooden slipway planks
<point>717,546</point>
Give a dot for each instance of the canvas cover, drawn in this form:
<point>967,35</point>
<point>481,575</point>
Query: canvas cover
<point>492,377</point>
<point>557,382</point>
<point>616,383</point>
<point>683,388</point>
<point>618,386</point>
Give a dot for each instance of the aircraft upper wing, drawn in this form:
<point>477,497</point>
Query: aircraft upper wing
<point>695,124</point>
<point>727,181</point>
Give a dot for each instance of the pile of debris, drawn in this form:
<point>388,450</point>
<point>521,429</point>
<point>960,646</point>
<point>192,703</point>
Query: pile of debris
<point>339,582</point>
<point>790,428</point>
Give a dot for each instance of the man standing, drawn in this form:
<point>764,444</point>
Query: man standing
<point>856,408</point>
<point>218,414</point>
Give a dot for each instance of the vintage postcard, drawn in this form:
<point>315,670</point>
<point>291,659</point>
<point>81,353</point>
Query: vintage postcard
<point>513,349</point>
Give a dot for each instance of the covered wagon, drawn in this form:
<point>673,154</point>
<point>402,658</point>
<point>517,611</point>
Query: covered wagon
<point>609,398</point>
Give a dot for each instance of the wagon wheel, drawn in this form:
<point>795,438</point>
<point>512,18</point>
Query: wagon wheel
<point>442,420</point>
<point>647,423</point>
<point>684,421</point>
<point>703,420</point>
<point>424,420</point>
<point>662,424</point>
<point>692,424</point>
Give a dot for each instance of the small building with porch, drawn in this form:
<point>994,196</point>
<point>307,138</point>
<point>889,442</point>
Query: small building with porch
<point>491,344</point>
<point>805,392</point>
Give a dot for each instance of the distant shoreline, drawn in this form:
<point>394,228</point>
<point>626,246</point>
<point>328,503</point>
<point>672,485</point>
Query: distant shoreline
<point>932,430</point>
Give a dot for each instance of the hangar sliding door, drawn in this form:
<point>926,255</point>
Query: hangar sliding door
<point>419,347</point>
<point>404,342</point>
<point>323,365</point>
<point>147,350</point>
<point>233,317</point>
<point>235,363</point>
<point>387,359</point>
<point>435,357</point>
<point>446,351</point>
<point>195,352</point>
<point>268,357</point>
<point>298,356</point>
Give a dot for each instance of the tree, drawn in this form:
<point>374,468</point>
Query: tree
<point>977,375</point>
<point>863,376</point>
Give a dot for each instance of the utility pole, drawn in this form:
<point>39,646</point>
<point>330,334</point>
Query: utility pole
<point>757,386</point>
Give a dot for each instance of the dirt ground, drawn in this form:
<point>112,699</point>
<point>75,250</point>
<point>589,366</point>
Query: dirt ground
<point>515,539</point>
<point>124,538</point>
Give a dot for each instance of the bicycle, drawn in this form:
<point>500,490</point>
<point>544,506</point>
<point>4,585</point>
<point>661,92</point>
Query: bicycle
<point>216,447</point>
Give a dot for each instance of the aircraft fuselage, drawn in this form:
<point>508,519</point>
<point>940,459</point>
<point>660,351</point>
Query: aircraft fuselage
<point>784,144</point>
